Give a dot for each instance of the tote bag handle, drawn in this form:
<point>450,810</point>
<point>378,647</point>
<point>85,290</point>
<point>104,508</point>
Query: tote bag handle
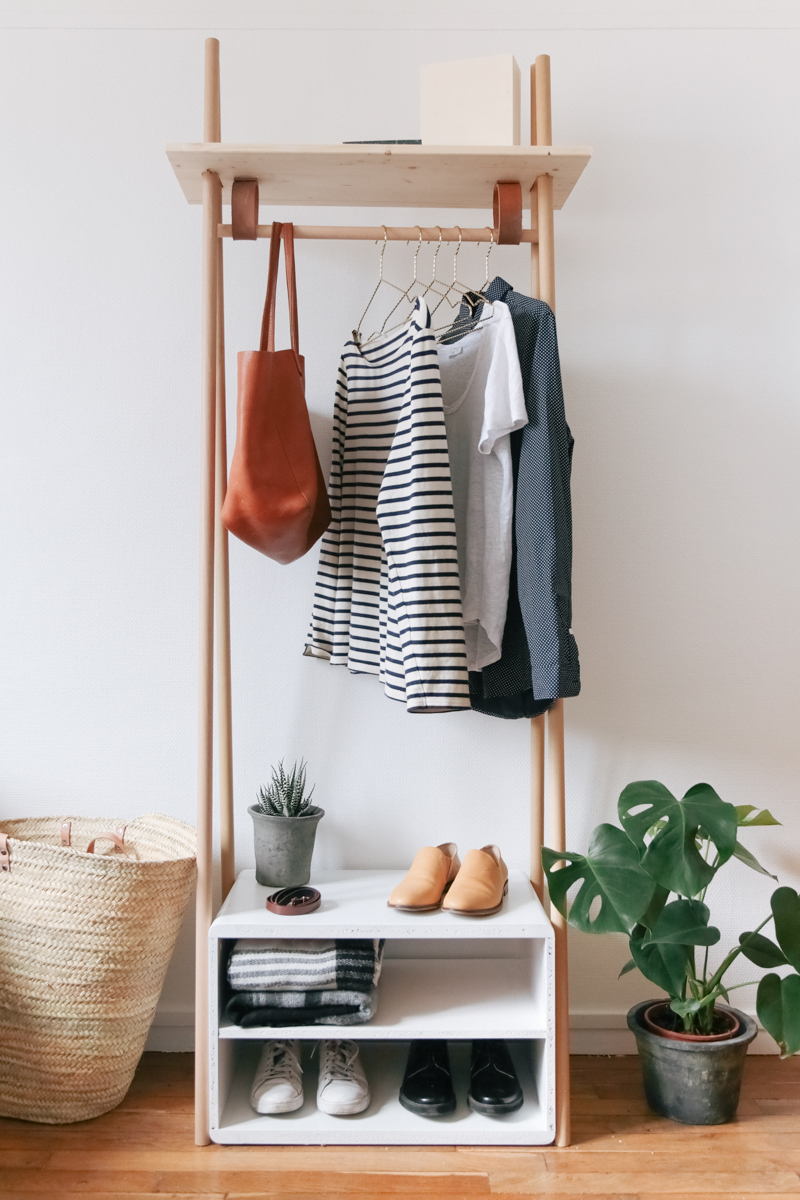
<point>285,231</point>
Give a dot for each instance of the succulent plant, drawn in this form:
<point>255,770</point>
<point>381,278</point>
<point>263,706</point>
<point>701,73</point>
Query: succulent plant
<point>285,796</point>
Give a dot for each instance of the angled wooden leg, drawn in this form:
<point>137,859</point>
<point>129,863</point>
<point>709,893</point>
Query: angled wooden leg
<point>547,268</point>
<point>205,730</point>
<point>534,200</point>
<point>537,723</point>
<point>534,245</point>
<point>541,122</point>
<point>212,208</point>
<point>222,612</point>
<point>557,841</point>
<point>537,804</point>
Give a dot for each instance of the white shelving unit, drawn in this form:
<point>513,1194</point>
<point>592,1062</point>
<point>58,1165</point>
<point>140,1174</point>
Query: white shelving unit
<point>443,977</point>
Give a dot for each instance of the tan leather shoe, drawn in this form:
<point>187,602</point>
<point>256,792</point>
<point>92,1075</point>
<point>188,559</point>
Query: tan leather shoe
<point>428,878</point>
<point>480,885</point>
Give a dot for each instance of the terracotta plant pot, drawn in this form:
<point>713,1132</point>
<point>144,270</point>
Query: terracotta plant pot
<point>692,1080</point>
<point>650,1021</point>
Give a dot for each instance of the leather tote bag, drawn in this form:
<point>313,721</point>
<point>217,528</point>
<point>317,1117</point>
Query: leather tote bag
<point>276,500</point>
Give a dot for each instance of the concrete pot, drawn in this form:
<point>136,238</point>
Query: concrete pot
<point>284,846</point>
<point>694,1082</point>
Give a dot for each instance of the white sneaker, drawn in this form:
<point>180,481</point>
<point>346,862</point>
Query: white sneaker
<point>278,1085</point>
<point>343,1087</point>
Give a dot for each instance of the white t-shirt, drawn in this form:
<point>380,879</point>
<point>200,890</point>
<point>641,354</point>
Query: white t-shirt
<point>483,404</point>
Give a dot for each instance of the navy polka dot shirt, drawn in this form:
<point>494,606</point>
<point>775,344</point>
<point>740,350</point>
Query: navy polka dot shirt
<point>539,660</point>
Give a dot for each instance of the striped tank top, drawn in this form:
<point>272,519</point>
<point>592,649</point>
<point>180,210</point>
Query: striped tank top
<point>387,599</point>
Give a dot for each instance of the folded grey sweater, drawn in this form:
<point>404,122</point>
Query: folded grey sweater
<point>305,965</point>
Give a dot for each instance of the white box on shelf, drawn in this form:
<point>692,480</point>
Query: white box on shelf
<point>443,976</point>
<point>474,102</point>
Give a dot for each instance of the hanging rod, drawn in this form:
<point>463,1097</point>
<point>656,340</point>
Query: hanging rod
<point>374,233</point>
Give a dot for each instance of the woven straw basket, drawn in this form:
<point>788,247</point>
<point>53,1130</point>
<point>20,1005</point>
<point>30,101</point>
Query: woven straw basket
<point>85,941</point>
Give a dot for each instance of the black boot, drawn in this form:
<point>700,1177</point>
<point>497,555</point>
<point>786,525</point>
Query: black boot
<point>427,1086</point>
<point>493,1086</point>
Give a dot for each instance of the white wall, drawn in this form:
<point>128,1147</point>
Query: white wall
<point>678,267</point>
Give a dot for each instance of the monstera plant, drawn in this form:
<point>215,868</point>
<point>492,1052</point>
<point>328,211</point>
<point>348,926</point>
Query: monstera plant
<point>649,880</point>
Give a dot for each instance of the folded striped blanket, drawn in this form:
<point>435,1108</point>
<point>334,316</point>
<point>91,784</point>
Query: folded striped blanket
<point>340,1007</point>
<point>305,964</point>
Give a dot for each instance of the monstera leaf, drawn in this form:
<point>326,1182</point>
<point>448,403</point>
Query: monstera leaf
<point>682,923</point>
<point>761,950</point>
<point>762,816</point>
<point>747,815</point>
<point>743,854</point>
<point>610,872</point>
<point>672,858</point>
<point>655,907</point>
<point>778,1008</point>
<point>664,965</point>
<point>693,1005</point>
<point>786,914</point>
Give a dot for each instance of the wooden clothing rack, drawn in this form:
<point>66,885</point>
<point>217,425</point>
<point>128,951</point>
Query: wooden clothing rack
<point>366,175</point>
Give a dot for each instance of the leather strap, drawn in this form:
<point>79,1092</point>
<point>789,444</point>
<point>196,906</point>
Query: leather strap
<point>5,853</point>
<point>268,319</point>
<point>244,210</point>
<point>117,837</point>
<point>285,231</point>
<point>66,833</point>
<point>507,212</point>
<point>291,284</point>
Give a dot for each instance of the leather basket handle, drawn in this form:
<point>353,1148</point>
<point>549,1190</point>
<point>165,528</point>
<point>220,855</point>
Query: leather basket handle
<point>117,837</point>
<point>66,833</point>
<point>5,853</point>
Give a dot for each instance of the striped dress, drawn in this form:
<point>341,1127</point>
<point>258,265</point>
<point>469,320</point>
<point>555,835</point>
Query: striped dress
<point>387,599</point>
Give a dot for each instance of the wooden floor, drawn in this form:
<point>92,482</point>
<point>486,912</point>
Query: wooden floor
<point>621,1150</point>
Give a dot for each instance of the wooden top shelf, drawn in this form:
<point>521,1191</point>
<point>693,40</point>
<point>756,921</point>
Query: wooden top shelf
<point>378,176</point>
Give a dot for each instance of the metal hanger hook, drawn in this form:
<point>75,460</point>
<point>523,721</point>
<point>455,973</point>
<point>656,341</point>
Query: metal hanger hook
<point>416,253</point>
<point>488,252</point>
<point>455,256</point>
<point>383,251</point>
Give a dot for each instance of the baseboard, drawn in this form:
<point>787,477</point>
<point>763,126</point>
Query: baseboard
<point>172,1031</point>
<point>608,1033</point>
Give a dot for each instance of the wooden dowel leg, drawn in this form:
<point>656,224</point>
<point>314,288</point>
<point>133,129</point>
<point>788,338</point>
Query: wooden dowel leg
<point>212,208</point>
<point>222,613</point>
<point>542,191</point>
<point>205,733</point>
<point>557,841</point>
<point>542,205</point>
<point>555,736</point>
<point>534,255</point>
<point>563,1133</point>
<point>546,244</point>
<point>537,804</point>
<point>212,109</point>
<point>541,108</point>
<point>534,200</point>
